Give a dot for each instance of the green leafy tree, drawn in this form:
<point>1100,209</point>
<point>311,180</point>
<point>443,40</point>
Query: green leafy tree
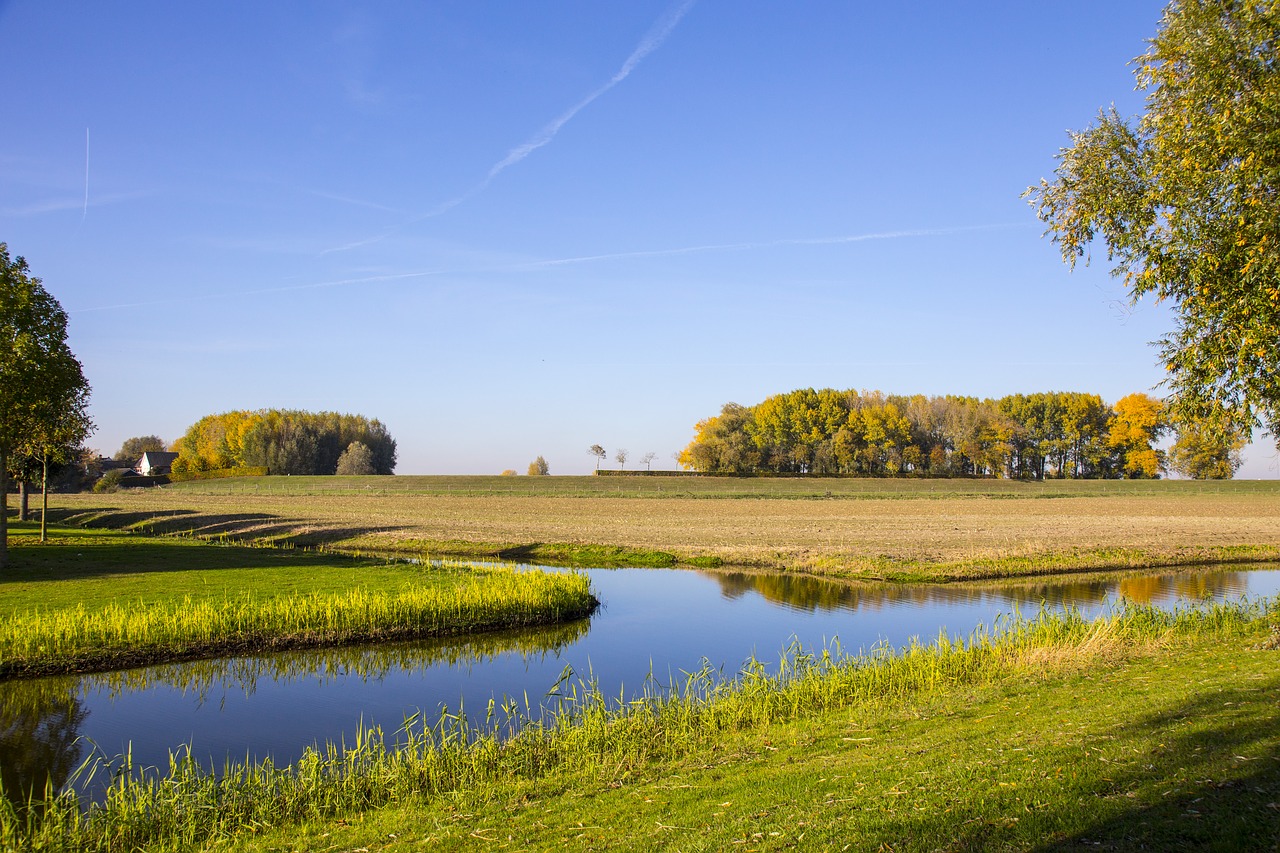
<point>539,468</point>
<point>58,431</point>
<point>599,453</point>
<point>1186,198</point>
<point>133,448</point>
<point>1203,452</point>
<point>356,460</point>
<point>43,393</point>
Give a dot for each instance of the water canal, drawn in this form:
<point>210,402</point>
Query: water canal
<point>654,623</point>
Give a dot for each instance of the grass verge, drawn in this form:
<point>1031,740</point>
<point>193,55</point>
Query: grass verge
<point>94,600</point>
<point>542,553</point>
<point>1140,730</point>
<point>1050,563</point>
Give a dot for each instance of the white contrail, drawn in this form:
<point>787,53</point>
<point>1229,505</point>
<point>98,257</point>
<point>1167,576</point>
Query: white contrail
<point>85,214</point>
<point>652,40</point>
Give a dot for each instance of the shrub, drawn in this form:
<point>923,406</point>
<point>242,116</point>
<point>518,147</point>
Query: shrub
<point>357,459</point>
<point>110,481</point>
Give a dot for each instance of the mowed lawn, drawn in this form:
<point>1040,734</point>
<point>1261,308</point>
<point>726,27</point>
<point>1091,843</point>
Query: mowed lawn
<point>94,567</point>
<point>864,528</point>
<point>100,599</point>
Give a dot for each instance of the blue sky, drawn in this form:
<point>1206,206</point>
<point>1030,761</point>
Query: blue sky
<point>512,229</point>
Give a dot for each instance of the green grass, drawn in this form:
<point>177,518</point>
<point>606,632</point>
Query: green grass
<point>718,487</point>
<point>1075,561</point>
<point>1143,731</point>
<point>539,553</point>
<point>95,567</point>
<point>96,600</point>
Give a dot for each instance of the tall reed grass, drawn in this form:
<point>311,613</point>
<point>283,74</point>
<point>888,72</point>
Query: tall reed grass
<point>40,642</point>
<point>185,804</point>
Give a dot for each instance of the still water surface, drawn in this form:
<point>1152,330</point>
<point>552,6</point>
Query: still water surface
<point>653,622</point>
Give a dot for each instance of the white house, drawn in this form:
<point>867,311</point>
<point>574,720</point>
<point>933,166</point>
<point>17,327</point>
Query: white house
<point>155,462</point>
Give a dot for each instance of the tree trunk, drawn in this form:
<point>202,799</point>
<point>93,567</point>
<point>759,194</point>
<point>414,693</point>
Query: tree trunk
<point>4,505</point>
<point>44,494</point>
<point>23,509</point>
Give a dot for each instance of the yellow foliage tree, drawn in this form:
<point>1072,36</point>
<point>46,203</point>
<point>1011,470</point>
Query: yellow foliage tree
<point>1139,421</point>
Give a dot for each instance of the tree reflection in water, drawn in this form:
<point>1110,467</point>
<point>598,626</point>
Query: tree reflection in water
<point>202,678</point>
<point>41,719</point>
<point>40,743</point>
<point>810,594</point>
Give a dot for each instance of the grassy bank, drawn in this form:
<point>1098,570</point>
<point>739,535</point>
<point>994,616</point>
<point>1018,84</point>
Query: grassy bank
<point>931,530</point>
<point>1138,730</point>
<point>98,600</point>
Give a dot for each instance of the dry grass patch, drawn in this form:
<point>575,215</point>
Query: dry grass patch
<point>867,536</point>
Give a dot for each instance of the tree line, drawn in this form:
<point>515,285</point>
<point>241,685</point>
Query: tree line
<point>1053,434</point>
<point>286,441</point>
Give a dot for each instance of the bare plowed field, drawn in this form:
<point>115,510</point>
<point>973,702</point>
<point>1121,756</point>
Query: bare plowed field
<point>862,536</point>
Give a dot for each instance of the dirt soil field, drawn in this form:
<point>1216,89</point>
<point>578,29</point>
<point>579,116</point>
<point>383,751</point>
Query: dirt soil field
<point>867,536</point>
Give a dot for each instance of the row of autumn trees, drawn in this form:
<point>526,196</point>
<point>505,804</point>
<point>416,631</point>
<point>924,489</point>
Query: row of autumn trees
<point>286,442</point>
<point>1026,436</point>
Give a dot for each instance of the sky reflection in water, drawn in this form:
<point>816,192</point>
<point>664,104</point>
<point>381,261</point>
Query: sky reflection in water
<point>653,622</point>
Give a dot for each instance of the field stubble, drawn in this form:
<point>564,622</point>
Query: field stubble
<point>868,536</point>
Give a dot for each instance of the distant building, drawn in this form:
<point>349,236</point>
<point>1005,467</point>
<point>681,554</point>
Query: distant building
<point>155,462</point>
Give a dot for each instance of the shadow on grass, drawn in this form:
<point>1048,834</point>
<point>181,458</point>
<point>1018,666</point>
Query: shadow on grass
<point>106,544</point>
<point>1218,766</point>
<point>1202,774</point>
<point>71,560</point>
<point>246,527</point>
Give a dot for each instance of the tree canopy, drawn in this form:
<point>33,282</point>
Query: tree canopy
<point>869,433</point>
<point>44,397</point>
<point>1186,198</point>
<point>282,441</point>
<point>132,449</point>
<point>356,460</point>
<point>1206,454</point>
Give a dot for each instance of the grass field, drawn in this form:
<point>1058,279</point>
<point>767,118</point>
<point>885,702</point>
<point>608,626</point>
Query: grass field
<point>899,529</point>
<point>1140,731</point>
<point>98,599</point>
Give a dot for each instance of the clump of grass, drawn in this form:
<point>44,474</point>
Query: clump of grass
<point>47,641</point>
<point>188,805</point>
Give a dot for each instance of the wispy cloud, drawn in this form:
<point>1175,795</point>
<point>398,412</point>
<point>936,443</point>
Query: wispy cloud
<point>652,40</point>
<point>527,266</point>
<point>356,201</point>
<point>287,288</point>
<point>769,244</point>
<point>84,215</point>
<point>56,205</point>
